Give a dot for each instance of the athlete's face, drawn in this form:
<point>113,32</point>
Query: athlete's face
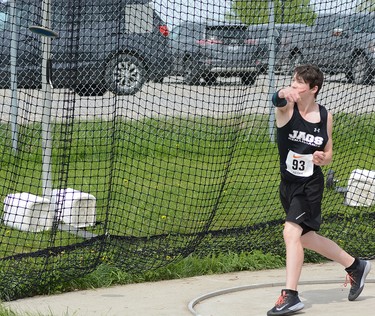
<point>302,87</point>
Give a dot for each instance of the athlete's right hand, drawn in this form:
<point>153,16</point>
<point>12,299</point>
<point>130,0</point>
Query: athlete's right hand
<point>292,95</point>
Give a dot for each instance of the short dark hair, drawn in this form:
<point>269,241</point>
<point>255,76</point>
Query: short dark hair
<point>310,74</point>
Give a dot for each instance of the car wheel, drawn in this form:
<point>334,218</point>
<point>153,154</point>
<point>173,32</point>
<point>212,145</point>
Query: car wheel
<point>360,73</point>
<point>125,74</point>
<point>191,72</point>
<point>248,78</point>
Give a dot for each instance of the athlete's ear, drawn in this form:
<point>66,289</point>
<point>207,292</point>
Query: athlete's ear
<point>314,89</point>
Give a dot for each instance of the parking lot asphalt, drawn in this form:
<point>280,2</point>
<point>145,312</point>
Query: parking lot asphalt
<point>249,293</point>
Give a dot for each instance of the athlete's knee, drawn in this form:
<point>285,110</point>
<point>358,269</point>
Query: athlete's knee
<point>292,231</point>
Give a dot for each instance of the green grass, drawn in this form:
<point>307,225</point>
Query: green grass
<point>174,178</point>
<point>150,176</point>
<point>106,275</point>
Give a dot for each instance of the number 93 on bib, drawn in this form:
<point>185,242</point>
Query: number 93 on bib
<point>300,165</point>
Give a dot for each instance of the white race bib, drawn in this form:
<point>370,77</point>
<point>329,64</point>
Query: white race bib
<point>299,165</point>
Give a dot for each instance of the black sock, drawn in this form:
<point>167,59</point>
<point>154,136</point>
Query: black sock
<point>353,266</point>
<point>291,292</point>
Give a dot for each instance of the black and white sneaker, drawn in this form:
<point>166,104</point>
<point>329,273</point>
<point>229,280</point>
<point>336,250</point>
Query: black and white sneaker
<point>357,279</point>
<point>287,304</point>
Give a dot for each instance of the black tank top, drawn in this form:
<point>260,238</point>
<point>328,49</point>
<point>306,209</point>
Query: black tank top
<point>297,141</point>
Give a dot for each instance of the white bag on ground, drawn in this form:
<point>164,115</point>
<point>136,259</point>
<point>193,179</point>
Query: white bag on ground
<point>361,188</point>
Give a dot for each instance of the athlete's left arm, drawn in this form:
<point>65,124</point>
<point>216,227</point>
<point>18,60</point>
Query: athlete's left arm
<point>322,158</point>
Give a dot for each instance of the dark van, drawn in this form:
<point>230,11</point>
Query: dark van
<point>208,50</point>
<point>111,45</point>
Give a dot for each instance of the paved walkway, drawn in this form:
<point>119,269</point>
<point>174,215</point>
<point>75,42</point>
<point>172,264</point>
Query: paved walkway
<point>248,293</point>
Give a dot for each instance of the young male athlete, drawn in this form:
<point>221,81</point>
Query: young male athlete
<point>304,137</point>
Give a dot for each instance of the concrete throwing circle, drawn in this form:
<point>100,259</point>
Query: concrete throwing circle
<point>319,296</point>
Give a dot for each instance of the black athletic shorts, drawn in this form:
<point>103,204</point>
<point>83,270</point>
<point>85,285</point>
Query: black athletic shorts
<point>302,202</point>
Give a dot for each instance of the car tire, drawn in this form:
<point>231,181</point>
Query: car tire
<point>248,78</point>
<point>360,72</point>
<point>125,74</point>
<point>191,72</point>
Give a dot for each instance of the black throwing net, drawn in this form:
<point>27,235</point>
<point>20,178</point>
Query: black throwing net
<point>135,138</point>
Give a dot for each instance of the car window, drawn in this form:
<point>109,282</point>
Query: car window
<point>66,13</point>
<point>258,33</point>
<point>362,24</point>
<point>175,33</point>
<point>195,31</point>
<point>3,19</point>
<point>27,14</point>
<point>180,33</point>
<point>226,34</point>
<point>261,31</point>
<point>327,23</point>
<point>138,18</point>
<point>293,27</point>
<point>4,14</point>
